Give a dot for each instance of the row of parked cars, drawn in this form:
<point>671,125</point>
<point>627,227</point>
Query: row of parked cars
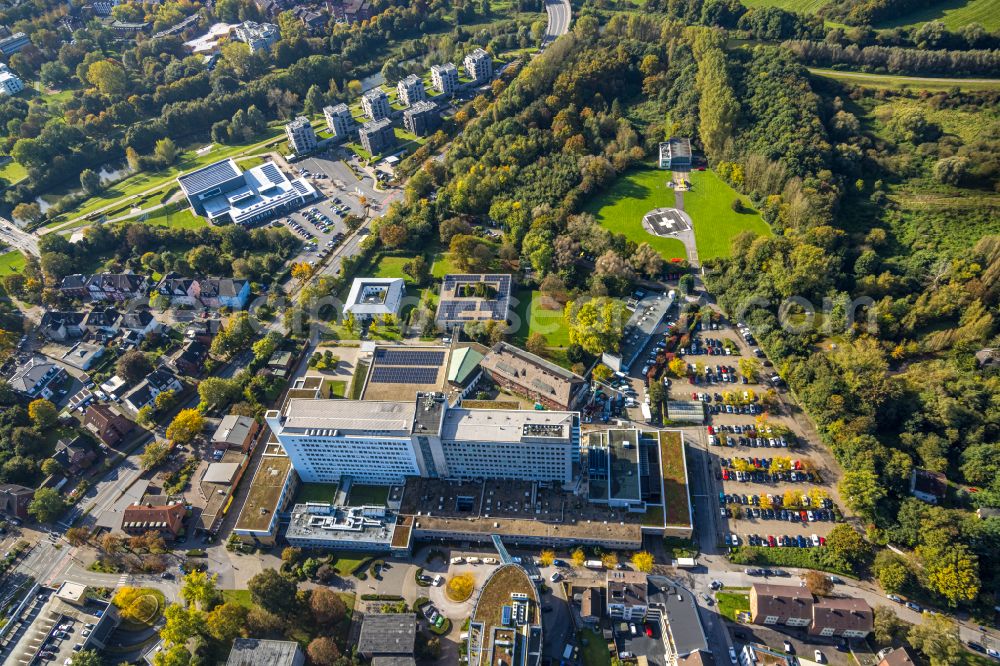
<point>791,515</point>
<point>762,476</point>
<point>779,541</point>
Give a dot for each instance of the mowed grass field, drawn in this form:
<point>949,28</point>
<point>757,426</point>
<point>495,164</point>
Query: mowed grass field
<point>709,203</point>
<point>11,262</point>
<point>893,82</point>
<point>537,315</point>
<point>954,14</point>
<point>801,6</point>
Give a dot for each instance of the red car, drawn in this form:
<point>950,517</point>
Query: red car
<point>725,475</point>
<point>711,430</point>
<point>822,541</point>
<point>649,631</point>
<point>771,541</point>
<point>804,516</point>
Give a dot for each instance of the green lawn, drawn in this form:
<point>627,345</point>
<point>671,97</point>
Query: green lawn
<point>338,387</point>
<point>316,492</point>
<point>622,206</point>
<point>595,652</point>
<point>892,82</point>
<point>241,597</point>
<point>12,172</point>
<point>361,494</point>
<point>954,14</point>
<point>969,126</point>
<point>532,317</point>
<point>731,603</point>
<point>443,265</point>
<point>709,203</point>
<point>178,219</point>
<point>11,262</point>
<point>800,6</point>
<point>391,267</point>
<point>345,562</point>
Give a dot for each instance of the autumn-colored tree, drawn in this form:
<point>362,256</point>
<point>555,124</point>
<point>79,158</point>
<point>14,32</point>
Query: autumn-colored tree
<point>819,583</point>
<point>609,560</point>
<point>301,270</point>
<point>461,586</point>
<point>546,558</point>
<point>227,621</point>
<point>327,607</point>
<point>154,454</point>
<point>536,344</point>
<point>323,651</point>
<point>602,373</point>
<point>643,561</point>
<point>43,413</point>
<point>578,557</point>
<point>187,425</point>
<point>77,536</point>
<point>677,367</point>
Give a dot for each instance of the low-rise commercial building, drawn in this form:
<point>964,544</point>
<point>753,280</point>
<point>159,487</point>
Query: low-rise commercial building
<point>373,298</point>
<point>301,136</point>
<point>10,83</point>
<point>388,635</point>
<point>260,652</point>
<point>258,36</point>
<point>780,604</point>
<point>166,520</point>
<point>529,375</point>
<point>676,153</point>
<point>13,43</point>
<point>354,528</point>
<point>271,490</point>
<point>473,297</point>
<point>235,432</point>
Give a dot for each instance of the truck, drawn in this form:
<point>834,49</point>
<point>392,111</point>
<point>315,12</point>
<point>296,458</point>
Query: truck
<point>685,562</point>
<point>594,564</point>
<point>647,415</point>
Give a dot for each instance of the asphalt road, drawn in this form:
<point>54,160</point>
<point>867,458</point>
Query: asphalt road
<point>11,234</point>
<point>560,16</point>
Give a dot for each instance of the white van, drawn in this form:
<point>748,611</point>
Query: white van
<point>458,560</point>
<point>472,560</point>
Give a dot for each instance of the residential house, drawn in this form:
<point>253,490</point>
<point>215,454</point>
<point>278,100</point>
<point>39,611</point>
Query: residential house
<point>145,392</point>
<point>280,363</point>
<point>235,432</point>
<point>62,326</point>
<point>221,292</point>
<point>117,287</point>
<point>897,657</point>
<point>591,607</point>
<point>14,500</point>
<point>140,322</point>
<point>928,486</point>
<point>74,455</point>
<point>375,104</point>
<point>301,136</point>
<point>479,66</point>
<point>842,616</point>
<point>166,520</point>
<point>177,288</point>
<point>106,424</point>
<point>103,321</point>
<point>312,19</point>
<point>189,359</point>
<point>627,595</point>
<point>529,375</point>
<point>780,604</point>
<point>74,286</point>
<point>410,90</point>
<point>34,377</point>
<point>83,355</point>
<point>444,78</point>
<point>351,11</point>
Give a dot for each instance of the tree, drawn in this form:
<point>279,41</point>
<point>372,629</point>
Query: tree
<point>819,583</point>
<point>546,557</point>
<point>43,413</point>
<point>165,401</point>
<point>264,348</point>
<point>889,628</point>
<point>596,324</point>
<point>686,283</point>
<point>133,365</point>
<point>90,181</point>
<point>951,571</point>
<point>609,560</point>
<point>328,609</point>
<point>417,270</point>
<point>219,391</point>
<point>643,561</point>
<point>199,589</point>
<point>227,621</point>
<point>53,73</point>
<point>677,367</point>
<point>937,638</point>
<point>750,368</point>
<point>77,536</point>
<point>47,505</point>
<point>952,170</point>
<point>175,655</point>
<point>323,651</point>
<point>51,466</point>
<point>301,270</point>
<point>846,543</point>
<point>647,261</point>
<point>315,101</point>
<point>862,490</point>
<point>182,624</point>
<point>536,344</point>
<point>891,570</point>
<point>460,586</point>
<point>187,425</point>
<point>154,455</point>
<point>578,557</point>
<point>236,336</point>
<point>86,658</point>
<point>29,212</point>
<point>166,150</point>
<point>273,592</point>
<point>108,76</point>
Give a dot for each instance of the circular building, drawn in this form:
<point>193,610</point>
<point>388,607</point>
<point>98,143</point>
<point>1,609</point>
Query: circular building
<point>506,624</point>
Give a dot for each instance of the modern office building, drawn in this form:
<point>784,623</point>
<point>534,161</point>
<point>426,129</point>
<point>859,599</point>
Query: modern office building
<point>13,43</point>
<point>376,104</point>
<point>422,118</point>
<point>10,83</point>
<point>223,192</point>
<point>676,154</point>
<point>411,90</point>
<point>372,298</point>
<point>444,78</point>
<point>301,136</point>
<point>378,136</point>
<point>340,121</point>
<point>257,35</point>
<point>479,66</point>
<point>385,442</point>
<point>473,297</point>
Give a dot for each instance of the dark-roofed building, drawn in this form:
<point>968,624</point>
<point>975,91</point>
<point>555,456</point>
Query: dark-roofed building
<point>222,292</point>
<point>422,118</point>
<point>627,595</point>
<point>444,78</point>
<point>352,11</point>
<point>394,661</point>
<point>259,652</point>
<point>529,375</point>
<point>167,520</point>
<point>33,377</point>
<point>675,153</point>
<point>377,136</point>
<point>388,635</point>
<point>591,608</point>
<point>473,297</point>
<point>14,500</point>
<point>842,616</point>
<point>62,326</point>
<point>74,455</point>
<point>145,392</point>
<point>189,359</point>
<point>928,486</point>
<point>780,604</point>
<point>675,609</point>
<point>117,287</point>
<point>105,320</point>
<point>74,286</point>
<point>897,657</point>
<point>235,432</point>
<point>140,322</point>
<point>106,424</point>
<point>376,104</point>
<point>177,288</point>
<point>479,66</point>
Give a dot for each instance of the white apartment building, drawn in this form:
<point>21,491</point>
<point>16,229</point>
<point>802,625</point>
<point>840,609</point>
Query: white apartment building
<point>411,90</point>
<point>376,104</point>
<point>444,78</point>
<point>301,136</point>
<point>257,35</point>
<point>340,121</point>
<point>384,442</point>
<point>10,83</point>
<point>479,66</point>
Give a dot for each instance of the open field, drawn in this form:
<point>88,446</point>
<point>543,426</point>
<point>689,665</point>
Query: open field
<point>12,172</point>
<point>361,495</point>
<point>178,219</point>
<point>316,492</point>
<point>443,265</point>
<point>621,208</point>
<point>954,14</point>
<point>534,317</point>
<point>709,203</point>
<point>11,262</point>
<point>893,82</point>
<point>800,6</point>
<point>731,603</point>
<point>969,126</point>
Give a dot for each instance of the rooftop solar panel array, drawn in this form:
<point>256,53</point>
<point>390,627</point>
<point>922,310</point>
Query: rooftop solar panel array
<point>409,357</point>
<point>210,176</point>
<point>404,375</point>
<point>271,171</point>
